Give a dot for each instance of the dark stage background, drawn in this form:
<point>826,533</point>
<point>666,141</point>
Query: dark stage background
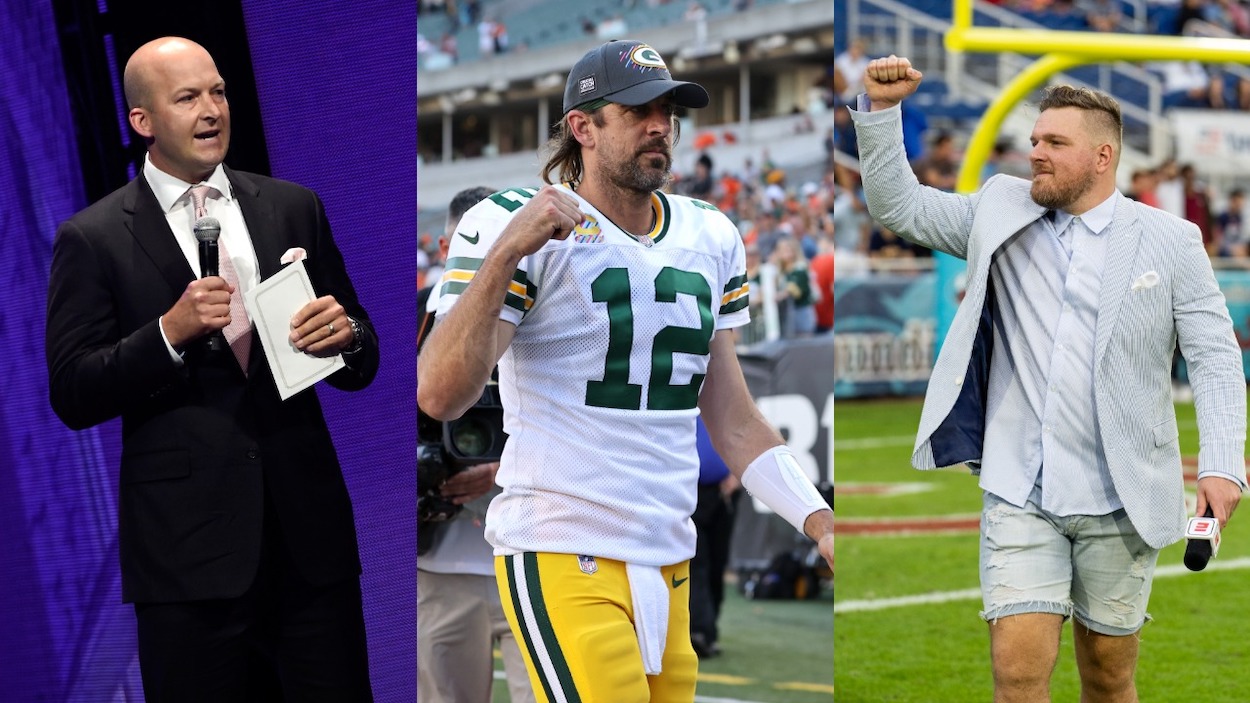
<point>322,93</point>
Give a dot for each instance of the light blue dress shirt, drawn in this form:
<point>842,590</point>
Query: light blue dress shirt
<point>1041,436</point>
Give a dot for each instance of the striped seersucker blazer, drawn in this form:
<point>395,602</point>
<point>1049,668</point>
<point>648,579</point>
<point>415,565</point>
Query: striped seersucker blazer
<point>1137,331</point>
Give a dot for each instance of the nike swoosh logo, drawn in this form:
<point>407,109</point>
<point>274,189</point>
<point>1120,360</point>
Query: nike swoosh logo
<point>470,240</point>
<point>677,582</point>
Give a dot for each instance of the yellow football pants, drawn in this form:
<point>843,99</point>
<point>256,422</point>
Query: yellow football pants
<point>576,630</point>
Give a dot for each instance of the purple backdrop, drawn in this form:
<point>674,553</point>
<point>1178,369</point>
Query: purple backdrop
<point>337,84</point>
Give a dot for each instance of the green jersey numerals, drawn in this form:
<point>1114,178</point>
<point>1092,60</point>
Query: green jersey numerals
<point>615,390</point>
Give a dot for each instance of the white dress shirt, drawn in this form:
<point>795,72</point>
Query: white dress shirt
<point>171,193</point>
<point>1041,436</point>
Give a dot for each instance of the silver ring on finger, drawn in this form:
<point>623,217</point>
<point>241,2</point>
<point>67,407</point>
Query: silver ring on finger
<point>331,327</point>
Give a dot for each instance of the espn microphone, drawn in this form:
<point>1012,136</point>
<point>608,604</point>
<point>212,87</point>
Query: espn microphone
<point>1203,534</point>
<point>207,230</point>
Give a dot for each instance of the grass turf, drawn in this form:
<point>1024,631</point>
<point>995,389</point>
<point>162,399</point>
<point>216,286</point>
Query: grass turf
<point>1195,650</point>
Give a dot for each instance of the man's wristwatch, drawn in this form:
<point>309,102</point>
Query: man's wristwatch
<point>358,337</point>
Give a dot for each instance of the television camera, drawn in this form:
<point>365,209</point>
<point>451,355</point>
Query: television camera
<point>444,449</point>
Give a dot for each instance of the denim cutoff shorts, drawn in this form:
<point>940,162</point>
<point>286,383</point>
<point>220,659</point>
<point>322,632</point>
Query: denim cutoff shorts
<point>1095,568</point>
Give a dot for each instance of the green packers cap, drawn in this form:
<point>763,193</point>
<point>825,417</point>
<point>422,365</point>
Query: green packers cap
<point>627,72</point>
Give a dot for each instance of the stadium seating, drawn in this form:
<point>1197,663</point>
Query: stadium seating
<point>544,23</point>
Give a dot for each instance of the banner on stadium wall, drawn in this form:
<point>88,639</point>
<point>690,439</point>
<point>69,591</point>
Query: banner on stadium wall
<point>790,382</point>
<point>884,332</point>
<point>1218,140</point>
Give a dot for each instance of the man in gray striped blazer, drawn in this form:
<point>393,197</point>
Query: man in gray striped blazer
<point>1054,382</point>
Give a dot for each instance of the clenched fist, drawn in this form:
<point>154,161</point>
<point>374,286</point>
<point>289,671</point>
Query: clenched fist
<point>889,80</point>
<point>551,214</point>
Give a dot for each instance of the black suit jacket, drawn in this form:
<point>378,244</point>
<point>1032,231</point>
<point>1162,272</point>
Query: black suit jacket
<point>201,443</point>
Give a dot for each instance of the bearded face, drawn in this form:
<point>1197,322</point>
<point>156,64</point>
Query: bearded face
<point>1064,159</point>
<point>636,146</point>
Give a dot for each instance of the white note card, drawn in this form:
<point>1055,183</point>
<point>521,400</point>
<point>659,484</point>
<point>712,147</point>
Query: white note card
<point>271,306</point>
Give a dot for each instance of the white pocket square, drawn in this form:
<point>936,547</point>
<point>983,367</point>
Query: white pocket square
<point>292,255</point>
<point>1149,279</point>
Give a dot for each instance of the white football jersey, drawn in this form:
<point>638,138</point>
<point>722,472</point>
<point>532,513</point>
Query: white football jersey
<point>601,382</point>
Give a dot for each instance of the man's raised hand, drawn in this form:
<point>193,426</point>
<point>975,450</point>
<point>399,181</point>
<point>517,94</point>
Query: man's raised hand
<point>551,214</point>
<point>889,80</point>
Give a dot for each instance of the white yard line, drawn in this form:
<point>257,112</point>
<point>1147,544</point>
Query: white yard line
<point>860,443</point>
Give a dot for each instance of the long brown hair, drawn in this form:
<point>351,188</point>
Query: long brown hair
<point>564,152</point>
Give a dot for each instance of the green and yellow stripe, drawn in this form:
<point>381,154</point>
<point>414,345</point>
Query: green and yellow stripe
<point>737,295</point>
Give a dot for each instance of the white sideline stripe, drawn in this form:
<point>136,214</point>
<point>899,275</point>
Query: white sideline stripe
<point>856,606</point>
<point>874,442</point>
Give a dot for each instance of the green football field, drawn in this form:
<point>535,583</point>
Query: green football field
<point>906,616</point>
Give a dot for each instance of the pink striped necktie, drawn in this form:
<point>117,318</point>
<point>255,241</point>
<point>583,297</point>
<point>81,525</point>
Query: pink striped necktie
<point>239,332</point>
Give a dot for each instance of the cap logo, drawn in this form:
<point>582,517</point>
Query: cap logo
<point>586,85</point>
<point>644,57</point>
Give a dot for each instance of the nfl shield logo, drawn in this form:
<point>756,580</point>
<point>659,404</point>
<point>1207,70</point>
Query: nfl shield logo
<point>587,564</point>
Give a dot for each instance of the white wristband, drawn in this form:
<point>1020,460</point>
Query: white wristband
<point>776,478</point>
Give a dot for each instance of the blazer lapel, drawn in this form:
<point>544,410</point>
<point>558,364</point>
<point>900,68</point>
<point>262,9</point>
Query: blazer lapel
<point>1016,211</point>
<point>262,223</point>
<point>150,228</point>
<point>1124,238</point>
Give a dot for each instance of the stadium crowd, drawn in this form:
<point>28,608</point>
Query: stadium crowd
<point>788,226</point>
<point>1179,188</point>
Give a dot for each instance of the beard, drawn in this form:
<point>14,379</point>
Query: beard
<point>638,174</point>
<point>1060,192</point>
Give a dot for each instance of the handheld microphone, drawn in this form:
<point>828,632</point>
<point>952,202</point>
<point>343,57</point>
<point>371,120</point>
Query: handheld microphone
<point>207,230</point>
<point>1203,534</point>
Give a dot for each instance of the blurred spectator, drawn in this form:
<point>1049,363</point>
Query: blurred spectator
<point>851,64</point>
<point>447,45</point>
<point>844,137</point>
<point>714,522</point>
<point>1142,187</point>
<point>915,124</point>
<point>486,37</point>
<point>1198,206</point>
<point>764,232</point>
<point>1103,15</point>
<point>795,295</point>
<point>1190,10</point>
<point>1005,159</point>
<point>822,267</point>
<point>1186,84</point>
<point>940,167</point>
<point>1169,189</point>
<point>1231,235</point>
<point>1236,17</point>
<point>727,192</point>
<point>699,185</point>
<point>774,189</point>
<point>885,244</point>
<point>852,226</point>
<point>499,35</point>
<point>695,12</point>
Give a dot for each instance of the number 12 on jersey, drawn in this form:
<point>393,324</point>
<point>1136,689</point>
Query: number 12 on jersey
<point>615,391</point>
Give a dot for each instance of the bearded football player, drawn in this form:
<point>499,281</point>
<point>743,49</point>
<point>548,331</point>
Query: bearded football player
<point>609,306</point>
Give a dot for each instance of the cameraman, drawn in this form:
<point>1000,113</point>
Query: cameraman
<point>459,614</point>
